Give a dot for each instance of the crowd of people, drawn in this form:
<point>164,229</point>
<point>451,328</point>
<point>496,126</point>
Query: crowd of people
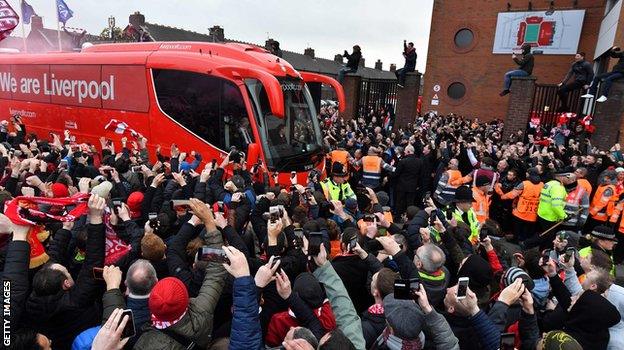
<point>436,235</point>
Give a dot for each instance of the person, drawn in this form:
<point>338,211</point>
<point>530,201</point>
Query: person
<point>372,167</point>
<point>275,48</point>
<point>353,62</point>
<point>603,239</point>
<point>550,209</point>
<point>409,52</point>
<point>525,67</point>
<point>482,198</point>
<point>448,183</point>
<point>525,207</point>
<point>336,187</point>
<point>607,78</point>
<point>463,211</point>
<point>578,77</point>
<point>407,174</point>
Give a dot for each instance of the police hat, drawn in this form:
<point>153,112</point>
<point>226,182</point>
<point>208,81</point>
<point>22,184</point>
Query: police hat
<point>463,194</point>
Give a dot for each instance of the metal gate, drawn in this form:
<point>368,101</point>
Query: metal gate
<point>546,104</point>
<point>374,94</point>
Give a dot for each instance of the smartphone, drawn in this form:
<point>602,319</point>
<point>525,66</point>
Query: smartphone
<point>220,207</point>
<point>568,254</point>
<point>462,287</point>
<point>482,234</point>
<point>275,213</point>
<point>404,288</point>
<point>369,218</point>
<point>432,219</point>
<point>213,255</point>
<point>129,330</point>
<point>117,203</point>
<point>136,169</point>
<point>352,243</point>
<point>315,240</point>
<point>427,197</point>
<point>298,240</point>
<point>182,203</point>
<point>507,341</point>
<point>98,273</point>
<point>545,257</point>
<point>152,216</point>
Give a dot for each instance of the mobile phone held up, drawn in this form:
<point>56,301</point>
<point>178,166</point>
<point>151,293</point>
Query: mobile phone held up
<point>507,341</point>
<point>129,330</point>
<point>98,273</point>
<point>404,288</point>
<point>213,255</point>
<point>314,243</point>
<point>462,287</point>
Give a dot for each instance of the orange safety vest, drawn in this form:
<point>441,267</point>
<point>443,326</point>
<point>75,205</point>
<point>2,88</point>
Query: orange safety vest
<point>586,185</point>
<point>371,171</point>
<point>601,208</point>
<point>528,201</point>
<point>446,190</point>
<point>341,156</point>
<point>616,215</point>
<point>481,205</point>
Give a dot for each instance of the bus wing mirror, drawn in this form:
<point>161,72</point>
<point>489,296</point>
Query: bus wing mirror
<point>270,83</point>
<point>319,78</point>
<point>253,153</point>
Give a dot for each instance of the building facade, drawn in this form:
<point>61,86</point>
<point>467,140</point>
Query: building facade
<point>465,77</point>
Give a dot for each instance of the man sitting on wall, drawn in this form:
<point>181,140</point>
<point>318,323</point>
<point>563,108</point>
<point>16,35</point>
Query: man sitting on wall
<point>609,77</point>
<point>525,67</point>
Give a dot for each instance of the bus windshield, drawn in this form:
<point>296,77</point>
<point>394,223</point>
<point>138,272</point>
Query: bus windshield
<point>291,143</point>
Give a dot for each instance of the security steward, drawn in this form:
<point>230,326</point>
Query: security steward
<point>550,211</point>
<point>372,166</point>
<point>337,187</point>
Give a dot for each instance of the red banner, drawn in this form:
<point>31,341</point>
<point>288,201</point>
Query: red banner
<point>8,19</point>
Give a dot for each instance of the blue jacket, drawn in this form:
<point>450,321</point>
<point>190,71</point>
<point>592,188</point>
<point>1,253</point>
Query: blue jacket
<point>246,333</point>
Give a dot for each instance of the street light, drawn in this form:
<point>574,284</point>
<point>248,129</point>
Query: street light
<point>111,27</point>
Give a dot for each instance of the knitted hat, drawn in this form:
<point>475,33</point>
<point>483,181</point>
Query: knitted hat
<point>102,189</point>
<point>135,200</point>
<point>513,273</point>
<point>603,232</point>
<point>404,316</point>
<point>309,289</point>
<point>59,190</point>
<point>478,270</point>
<point>463,194</point>
<point>482,181</point>
<point>560,340</point>
<point>168,302</point>
<point>338,169</point>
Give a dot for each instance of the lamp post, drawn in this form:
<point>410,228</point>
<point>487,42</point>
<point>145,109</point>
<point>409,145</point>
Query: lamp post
<point>111,27</point>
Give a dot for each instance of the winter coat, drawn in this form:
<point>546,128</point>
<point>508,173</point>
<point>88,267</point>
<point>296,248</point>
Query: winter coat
<point>372,326</point>
<point>353,60</point>
<point>408,173</point>
<point>197,323</point>
<point>281,323</point>
<point>589,320</point>
<point>16,272</point>
<point>246,333</point>
<point>353,272</point>
<point>62,316</point>
<point>582,71</point>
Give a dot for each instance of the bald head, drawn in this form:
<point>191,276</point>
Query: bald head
<point>409,149</point>
<point>141,278</point>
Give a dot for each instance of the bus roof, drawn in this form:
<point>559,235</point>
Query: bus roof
<point>212,55</point>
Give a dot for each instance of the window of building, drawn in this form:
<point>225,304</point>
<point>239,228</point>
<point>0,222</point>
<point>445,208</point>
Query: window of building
<point>210,107</point>
<point>456,90</point>
<point>464,38</point>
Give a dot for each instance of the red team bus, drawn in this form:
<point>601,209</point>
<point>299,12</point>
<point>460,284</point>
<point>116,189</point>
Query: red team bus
<point>205,97</point>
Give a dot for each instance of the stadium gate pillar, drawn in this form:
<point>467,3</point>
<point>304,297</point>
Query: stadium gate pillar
<point>520,104</point>
<point>407,100</point>
<point>351,86</point>
<point>608,120</point>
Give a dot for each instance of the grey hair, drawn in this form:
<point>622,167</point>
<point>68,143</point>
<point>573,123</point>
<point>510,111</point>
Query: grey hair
<point>141,277</point>
<point>431,257</point>
<point>307,335</point>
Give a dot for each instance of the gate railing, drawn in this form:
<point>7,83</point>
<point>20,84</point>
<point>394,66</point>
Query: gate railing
<point>546,103</point>
<point>374,94</point>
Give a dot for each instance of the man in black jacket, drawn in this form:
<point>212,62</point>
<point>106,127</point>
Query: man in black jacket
<point>407,174</point>
<point>409,52</point>
<point>57,306</point>
<point>353,62</point>
<point>525,67</point>
<point>583,74</point>
<point>609,77</point>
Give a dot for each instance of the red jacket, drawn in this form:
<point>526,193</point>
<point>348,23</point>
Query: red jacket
<point>281,323</point>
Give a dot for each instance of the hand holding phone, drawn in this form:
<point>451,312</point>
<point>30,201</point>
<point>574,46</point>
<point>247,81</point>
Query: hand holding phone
<point>462,287</point>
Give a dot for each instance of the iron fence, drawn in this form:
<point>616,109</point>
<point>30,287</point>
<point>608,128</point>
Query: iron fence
<point>547,104</point>
<point>374,94</point>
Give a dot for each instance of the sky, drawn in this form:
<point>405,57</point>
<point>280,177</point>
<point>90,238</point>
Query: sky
<point>328,26</point>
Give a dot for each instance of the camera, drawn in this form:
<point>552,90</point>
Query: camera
<point>212,255</point>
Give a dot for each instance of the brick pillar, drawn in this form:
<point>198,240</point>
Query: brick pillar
<point>607,116</point>
<point>407,100</point>
<point>520,102</point>
<point>351,86</point>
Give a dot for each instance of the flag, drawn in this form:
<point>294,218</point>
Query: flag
<point>121,128</point>
<point>63,11</point>
<point>564,118</point>
<point>27,12</point>
<point>8,19</point>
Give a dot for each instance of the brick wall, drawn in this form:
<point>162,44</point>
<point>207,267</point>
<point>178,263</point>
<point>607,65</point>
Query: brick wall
<point>520,102</point>
<point>407,100</point>
<point>607,115</point>
<point>351,86</point>
<point>480,70</point>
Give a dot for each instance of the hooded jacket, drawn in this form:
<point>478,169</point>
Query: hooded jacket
<point>527,61</point>
<point>589,320</point>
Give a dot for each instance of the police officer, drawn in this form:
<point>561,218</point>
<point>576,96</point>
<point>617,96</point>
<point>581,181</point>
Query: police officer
<point>462,211</point>
<point>337,187</point>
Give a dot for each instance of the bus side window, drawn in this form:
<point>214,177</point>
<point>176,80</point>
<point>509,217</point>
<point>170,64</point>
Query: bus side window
<point>205,105</point>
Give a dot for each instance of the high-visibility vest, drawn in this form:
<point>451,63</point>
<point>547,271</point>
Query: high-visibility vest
<point>586,185</point>
<point>551,202</point>
<point>602,205</point>
<point>473,223</point>
<point>371,171</point>
<point>617,211</point>
<point>528,201</point>
<point>445,191</point>
<point>481,205</point>
<point>573,206</point>
<point>333,191</point>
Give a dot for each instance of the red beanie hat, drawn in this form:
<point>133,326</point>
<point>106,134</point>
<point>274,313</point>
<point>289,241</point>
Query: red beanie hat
<point>59,190</point>
<point>168,302</point>
<point>134,204</point>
